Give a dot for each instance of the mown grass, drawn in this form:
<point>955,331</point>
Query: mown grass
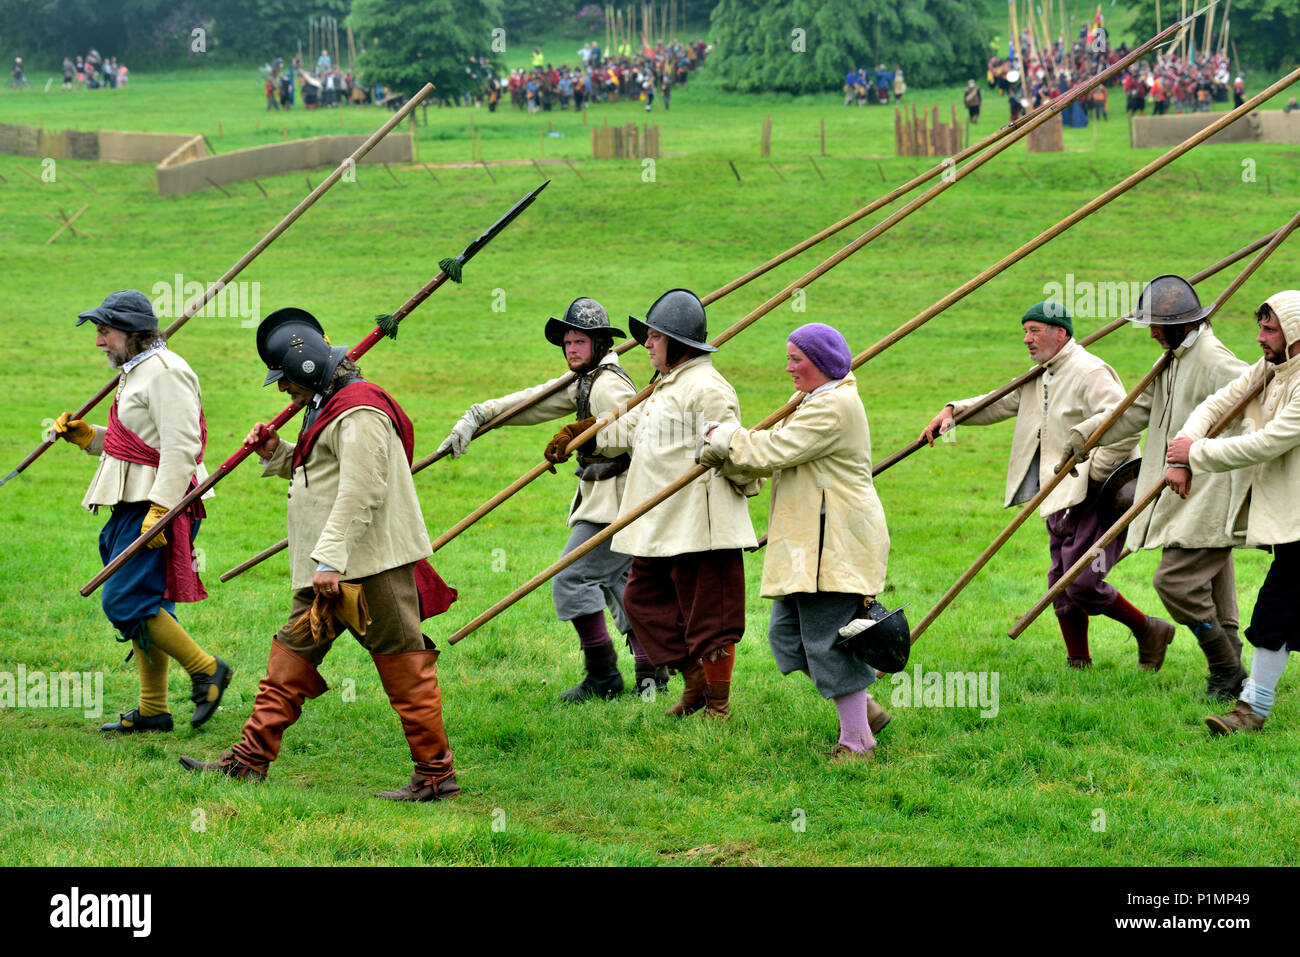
<point>618,783</point>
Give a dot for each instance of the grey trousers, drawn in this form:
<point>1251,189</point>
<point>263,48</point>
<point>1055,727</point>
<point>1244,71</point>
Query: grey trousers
<point>594,582</point>
<point>803,631</point>
<point>1198,584</point>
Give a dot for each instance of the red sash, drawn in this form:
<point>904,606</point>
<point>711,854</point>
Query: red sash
<point>183,582</point>
<point>436,595</point>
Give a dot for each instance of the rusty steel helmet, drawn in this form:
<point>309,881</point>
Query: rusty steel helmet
<point>1168,301</point>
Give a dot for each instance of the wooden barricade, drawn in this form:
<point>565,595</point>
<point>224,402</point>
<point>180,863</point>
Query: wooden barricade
<point>1047,138</point>
<point>925,136</point>
<point>625,142</point>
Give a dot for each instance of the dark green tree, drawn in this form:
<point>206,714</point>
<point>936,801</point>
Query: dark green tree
<point>412,42</point>
<point>1266,32</point>
<point>806,46</point>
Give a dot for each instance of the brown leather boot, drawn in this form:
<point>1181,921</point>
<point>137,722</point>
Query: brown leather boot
<point>716,695</point>
<point>1153,640</point>
<point>1241,718</point>
<point>290,680</point>
<point>877,717</point>
<point>227,764</point>
<point>410,679</point>
<point>692,699</point>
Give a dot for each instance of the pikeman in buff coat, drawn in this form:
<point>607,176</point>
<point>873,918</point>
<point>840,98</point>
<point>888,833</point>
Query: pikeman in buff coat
<point>1075,385</point>
<point>584,590</point>
<point>1269,449</point>
<point>828,543</point>
<point>1195,578</point>
<point>685,593</point>
<point>357,550</point>
<point>150,456</point>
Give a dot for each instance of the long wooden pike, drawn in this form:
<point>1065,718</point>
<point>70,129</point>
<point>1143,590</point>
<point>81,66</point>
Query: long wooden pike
<point>212,290</point>
<point>450,269</point>
<point>1046,109</point>
<point>804,281</point>
<point>1156,490</point>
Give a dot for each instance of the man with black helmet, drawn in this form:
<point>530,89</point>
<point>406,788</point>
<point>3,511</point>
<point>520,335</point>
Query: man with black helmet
<point>150,456</point>
<point>1195,578</point>
<point>1074,385</point>
<point>357,548</point>
<point>584,590</point>
<point>685,593</point>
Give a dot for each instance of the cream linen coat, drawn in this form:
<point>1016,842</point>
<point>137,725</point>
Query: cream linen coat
<point>1075,385</point>
<point>1208,516</point>
<point>819,457</point>
<point>352,505</point>
<point>593,501</point>
<point>710,513</point>
<point>1268,447</point>
<point>158,400</point>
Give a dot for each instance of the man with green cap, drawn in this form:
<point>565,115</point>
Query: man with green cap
<point>1074,385</point>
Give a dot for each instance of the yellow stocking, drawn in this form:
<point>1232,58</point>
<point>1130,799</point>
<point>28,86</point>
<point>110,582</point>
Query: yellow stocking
<point>166,633</point>
<point>153,680</point>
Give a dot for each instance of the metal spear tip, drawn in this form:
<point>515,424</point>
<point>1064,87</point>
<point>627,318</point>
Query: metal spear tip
<point>13,474</point>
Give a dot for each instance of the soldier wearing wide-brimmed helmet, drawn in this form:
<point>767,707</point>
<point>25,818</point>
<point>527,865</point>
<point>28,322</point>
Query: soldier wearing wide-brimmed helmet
<point>597,386</point>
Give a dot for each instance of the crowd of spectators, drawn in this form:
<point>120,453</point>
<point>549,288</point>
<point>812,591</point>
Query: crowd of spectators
<point>598,76</point>
<point>89,72</point>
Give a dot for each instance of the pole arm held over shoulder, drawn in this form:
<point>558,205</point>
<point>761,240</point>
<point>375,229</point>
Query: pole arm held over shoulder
<point>386,328</point>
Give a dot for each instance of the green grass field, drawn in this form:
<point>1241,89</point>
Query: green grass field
<point>1111,766</point>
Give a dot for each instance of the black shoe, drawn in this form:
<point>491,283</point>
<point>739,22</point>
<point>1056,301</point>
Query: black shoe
<point>208,690</point>
<point>603,677</point>
<point>134,721</point>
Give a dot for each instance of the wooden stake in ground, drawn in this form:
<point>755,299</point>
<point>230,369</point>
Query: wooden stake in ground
<point>238,267</point>
<point>450,269</point>
<point>67,224</point>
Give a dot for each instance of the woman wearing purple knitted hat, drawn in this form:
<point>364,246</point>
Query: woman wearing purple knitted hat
<point>827,540</point>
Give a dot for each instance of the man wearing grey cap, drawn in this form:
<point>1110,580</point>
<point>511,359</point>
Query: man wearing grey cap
<point>581,593</point>
<point>1074,385</point>
<point>150,456</point>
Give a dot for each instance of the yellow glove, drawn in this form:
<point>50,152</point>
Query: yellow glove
<point>150,520</point>
<point>76,431</point>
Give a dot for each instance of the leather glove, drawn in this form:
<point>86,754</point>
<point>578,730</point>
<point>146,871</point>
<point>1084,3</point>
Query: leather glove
<point>1074,446</point>
<point>557,449</point>
<point>150,520</point>
<point>458,441</point>
<point>80,433</point>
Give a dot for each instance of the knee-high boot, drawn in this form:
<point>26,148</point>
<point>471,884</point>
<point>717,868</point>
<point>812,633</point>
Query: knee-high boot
<point>410,679</point>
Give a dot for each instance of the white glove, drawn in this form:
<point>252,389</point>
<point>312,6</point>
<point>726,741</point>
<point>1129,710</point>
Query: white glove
<point>458,441</point>
<point>856,627</point>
